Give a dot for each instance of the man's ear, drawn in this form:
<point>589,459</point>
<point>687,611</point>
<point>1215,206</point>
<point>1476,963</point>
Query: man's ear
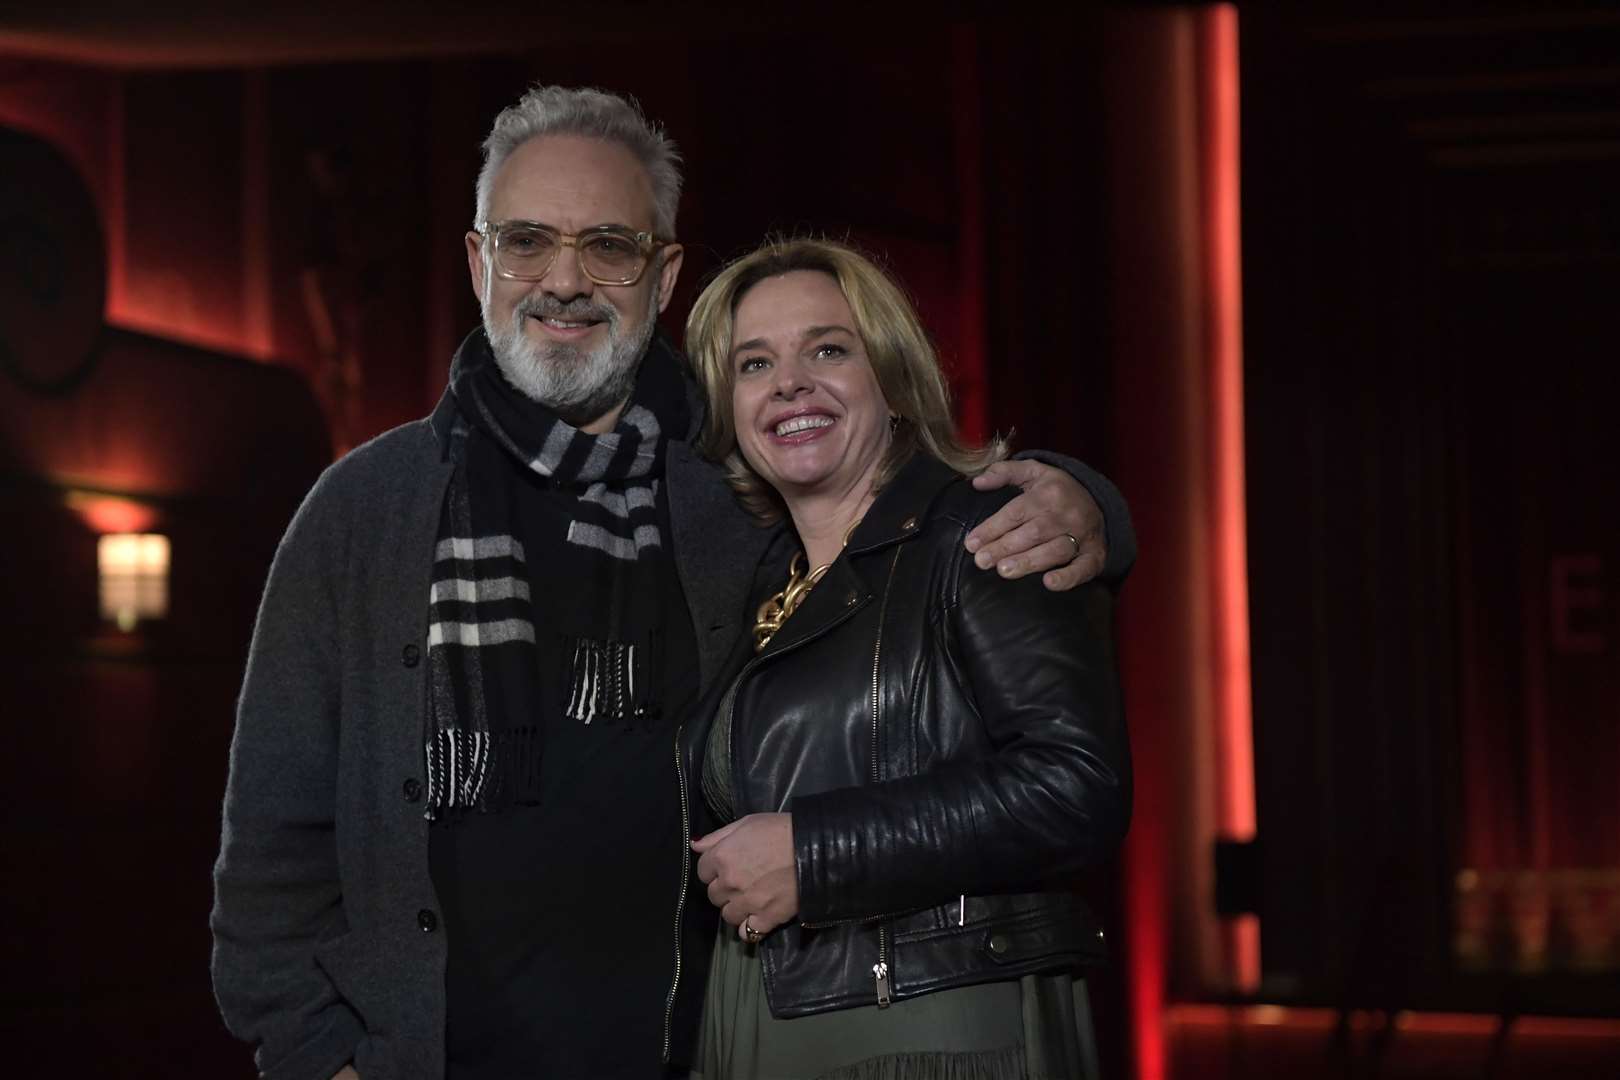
<point>668,272</point>
<point>475,264</point>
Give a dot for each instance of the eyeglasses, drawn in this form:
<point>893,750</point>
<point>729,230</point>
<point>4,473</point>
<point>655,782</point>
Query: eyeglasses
<point>608,254</point>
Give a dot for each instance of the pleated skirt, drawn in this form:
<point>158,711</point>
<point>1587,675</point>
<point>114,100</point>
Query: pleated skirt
<point>1034,1028</point>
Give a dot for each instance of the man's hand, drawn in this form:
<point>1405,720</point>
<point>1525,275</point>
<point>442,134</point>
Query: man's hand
<point>1032,533</point>
<point>346,1073</point>
<point>748,867</point>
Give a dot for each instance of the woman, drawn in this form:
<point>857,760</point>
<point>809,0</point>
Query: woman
<point>916,756</point>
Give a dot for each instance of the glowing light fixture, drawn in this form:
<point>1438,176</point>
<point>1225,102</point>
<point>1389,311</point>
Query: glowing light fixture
<point>111,513</point>
<point>134,577</point>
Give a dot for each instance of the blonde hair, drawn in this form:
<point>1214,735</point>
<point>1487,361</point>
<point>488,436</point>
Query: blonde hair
<point>897,347</point>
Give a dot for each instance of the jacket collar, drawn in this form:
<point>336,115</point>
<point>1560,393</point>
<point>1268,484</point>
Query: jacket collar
<point>901,507</point>
<point>897,514</point>
<point>442,420</point>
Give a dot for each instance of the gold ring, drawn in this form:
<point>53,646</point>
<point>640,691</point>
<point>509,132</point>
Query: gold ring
<point>749,932</point>
<point>1076,544</point>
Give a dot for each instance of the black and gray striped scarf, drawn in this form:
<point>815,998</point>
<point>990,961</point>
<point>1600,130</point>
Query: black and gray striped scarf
<point>531,493</point>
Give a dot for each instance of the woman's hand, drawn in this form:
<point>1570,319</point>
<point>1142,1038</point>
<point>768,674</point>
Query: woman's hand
<point>748,867</point>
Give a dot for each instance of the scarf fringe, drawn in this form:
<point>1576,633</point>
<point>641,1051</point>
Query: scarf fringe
<point>609,680</point>
<point>482,772</point>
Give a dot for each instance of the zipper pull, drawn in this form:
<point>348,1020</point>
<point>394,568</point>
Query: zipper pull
<point>880,971</point>
<point>961,909</point>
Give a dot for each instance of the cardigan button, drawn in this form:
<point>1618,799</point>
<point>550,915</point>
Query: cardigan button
<point>998,944</point>
<point>412,789</point>
<point>410,656</point>
<point>428,921</point>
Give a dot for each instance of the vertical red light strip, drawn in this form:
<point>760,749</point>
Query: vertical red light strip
<point>1218,42</point>
<point>1151,57</point>
<point>1145,935</point>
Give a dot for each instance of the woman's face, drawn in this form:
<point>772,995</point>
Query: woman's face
<point>809,414</point>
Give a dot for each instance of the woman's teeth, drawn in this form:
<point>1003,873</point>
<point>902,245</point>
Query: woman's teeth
<point>802,423</point>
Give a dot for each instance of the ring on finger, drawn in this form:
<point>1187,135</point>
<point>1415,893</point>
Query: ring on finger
<point>749,932</point>
<point>1070,538</point>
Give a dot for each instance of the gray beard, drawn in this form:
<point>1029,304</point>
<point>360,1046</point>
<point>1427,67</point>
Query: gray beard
<point>580,385</point>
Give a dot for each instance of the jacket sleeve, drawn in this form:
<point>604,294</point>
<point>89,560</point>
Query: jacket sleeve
<point>1117,528</point>
<point>1051,798</point>
<point>276,887</point>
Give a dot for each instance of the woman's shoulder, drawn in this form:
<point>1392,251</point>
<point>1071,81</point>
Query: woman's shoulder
<point>960,503</point>
<point>928,501</point>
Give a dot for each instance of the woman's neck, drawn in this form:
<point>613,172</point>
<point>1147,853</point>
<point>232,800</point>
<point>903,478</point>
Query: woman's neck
<point>824,520</point>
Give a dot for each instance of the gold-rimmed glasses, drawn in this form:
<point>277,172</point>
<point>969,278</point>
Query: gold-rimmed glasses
<point>608,254</point>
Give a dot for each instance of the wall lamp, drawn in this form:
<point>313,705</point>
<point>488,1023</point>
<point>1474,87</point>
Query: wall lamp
<point>134,572</point>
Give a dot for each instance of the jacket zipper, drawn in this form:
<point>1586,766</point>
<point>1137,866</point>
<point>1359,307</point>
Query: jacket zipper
<point>880,970</point>
<point>680,901</point>
<point>686,823</point>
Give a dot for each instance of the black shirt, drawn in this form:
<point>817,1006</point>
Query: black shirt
<point>561,916</point>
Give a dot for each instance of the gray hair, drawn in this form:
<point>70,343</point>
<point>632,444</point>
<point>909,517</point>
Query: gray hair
<point>597,114</point>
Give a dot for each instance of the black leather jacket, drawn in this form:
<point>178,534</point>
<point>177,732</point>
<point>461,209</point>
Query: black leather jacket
<point>951,748</point>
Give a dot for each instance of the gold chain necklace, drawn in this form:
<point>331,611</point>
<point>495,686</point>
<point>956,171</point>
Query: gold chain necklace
<point>776,609</point>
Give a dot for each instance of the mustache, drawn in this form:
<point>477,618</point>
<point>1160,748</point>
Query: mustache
<point>579,308</point>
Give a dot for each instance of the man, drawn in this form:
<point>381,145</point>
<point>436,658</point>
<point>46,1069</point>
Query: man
<point>452,837</point>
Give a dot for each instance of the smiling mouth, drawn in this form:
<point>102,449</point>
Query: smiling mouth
<point>565,326</point>
<point>796,424</point>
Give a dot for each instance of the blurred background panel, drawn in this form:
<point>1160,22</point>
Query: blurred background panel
<point>1328,291</point>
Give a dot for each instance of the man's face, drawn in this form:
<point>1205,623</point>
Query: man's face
<point>563,340</point>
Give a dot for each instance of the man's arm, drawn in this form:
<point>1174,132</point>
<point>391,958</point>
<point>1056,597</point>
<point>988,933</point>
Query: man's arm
<point>1070,521</point>
<point>276,890</point>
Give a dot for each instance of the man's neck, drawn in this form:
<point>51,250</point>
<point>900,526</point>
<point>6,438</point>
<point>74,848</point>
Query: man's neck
<point>604,423</point>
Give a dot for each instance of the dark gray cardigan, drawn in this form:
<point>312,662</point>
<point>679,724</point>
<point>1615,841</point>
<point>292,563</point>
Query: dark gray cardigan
<point>326,940</point>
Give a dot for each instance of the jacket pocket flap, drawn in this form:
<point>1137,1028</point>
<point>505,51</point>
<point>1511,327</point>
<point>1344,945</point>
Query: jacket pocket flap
<point>1016,942</point>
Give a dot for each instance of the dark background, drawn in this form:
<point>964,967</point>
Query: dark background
<point>1431,247</point>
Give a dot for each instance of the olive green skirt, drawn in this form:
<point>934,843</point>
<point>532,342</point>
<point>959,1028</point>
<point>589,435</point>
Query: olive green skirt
<point>1034,1028</point>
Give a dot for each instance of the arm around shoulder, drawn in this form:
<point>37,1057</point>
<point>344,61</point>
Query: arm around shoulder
<point>1118,529</point>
